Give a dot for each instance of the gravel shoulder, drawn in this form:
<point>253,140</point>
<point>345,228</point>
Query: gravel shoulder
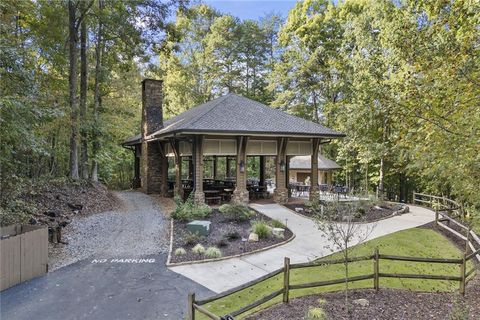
<point>137,228</point>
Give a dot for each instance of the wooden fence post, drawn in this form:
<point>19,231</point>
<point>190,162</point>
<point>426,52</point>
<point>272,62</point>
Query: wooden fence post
<point>191,309</point>
<point>376,285</point>
<point>463,268</point>
<point>467,241</point>
<point>286,279</point>
<point>436,215</point>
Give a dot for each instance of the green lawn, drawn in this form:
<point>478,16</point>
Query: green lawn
<point>476,224</point>
<point>414,242</point>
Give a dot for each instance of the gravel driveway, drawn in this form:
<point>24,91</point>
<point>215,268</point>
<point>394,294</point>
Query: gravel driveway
<point>137,229</point>
<point>120,271</point>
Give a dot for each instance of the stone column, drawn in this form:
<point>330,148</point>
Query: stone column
<point>240,194</point>
<point>280,194</point>
<point>314,190</point>
<point>197,156</point>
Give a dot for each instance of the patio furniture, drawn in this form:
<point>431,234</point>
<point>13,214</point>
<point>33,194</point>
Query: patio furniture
<point>212,196</point>
<point>227,194</point>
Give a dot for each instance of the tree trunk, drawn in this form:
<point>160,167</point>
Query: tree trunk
<point>96,95</point>
<point>366,179</point>
<point>83,101</point>
<point>346,279</point>
<point>72,81</point>
<point>380,193</point>
<point>315,108</point>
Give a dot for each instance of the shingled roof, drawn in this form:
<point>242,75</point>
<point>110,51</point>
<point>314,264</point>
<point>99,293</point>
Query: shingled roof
<point>235,114</point>
<point>304,162</point>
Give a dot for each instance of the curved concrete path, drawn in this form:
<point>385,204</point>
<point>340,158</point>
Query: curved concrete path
<point>309,244</point>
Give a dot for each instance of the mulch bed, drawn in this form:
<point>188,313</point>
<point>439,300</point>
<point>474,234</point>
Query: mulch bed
<point>389,304</point>
<point>220,227</point>
<point>372,212</point>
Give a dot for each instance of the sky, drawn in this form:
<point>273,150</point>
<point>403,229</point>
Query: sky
<point>251,9</point>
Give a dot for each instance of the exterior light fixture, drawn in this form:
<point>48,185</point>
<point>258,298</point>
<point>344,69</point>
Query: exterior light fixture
<point>242,166</point>
<point>282,166</point>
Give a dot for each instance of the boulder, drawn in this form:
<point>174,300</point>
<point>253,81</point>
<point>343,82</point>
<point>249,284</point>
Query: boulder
<point>253,237</point>
<point>278,233</point>
<point>200,227</point>
<point>361,302</point>
<point>74,206</point>
<point>298,209</point>
<point>53,213</point>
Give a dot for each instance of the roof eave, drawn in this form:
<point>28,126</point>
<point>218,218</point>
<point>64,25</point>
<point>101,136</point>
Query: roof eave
<point>244,132</point>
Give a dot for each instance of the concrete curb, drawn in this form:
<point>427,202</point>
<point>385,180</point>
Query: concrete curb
<point>169,257</point>
<point>394,214</point>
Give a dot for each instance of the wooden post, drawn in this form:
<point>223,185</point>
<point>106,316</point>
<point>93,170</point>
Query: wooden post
<point>436,216</point>
<point>191,309</point>
<point>463,268</point>
<point>286,279</point>
<point>376,267</point>
<point>467,241</point>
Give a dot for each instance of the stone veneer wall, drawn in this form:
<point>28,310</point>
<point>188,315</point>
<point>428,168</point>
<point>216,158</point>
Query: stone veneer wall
<point>152,173</point>
<point>280,194</point>
<point>198,196</point>
<point>151,167</point>
<point>240,194</point>
<point>314,190</point>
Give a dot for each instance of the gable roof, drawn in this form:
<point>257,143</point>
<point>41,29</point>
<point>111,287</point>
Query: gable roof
<point>235,114</point>
<point>304,162</point>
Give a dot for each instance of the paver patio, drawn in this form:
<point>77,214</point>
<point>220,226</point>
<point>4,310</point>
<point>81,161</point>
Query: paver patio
<point>309,244</point>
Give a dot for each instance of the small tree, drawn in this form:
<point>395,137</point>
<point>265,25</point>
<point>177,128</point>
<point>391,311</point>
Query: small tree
<point>344,225</point>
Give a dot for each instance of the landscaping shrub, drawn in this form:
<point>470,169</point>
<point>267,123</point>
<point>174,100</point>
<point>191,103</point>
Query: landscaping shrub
<point>277,224</point>
<point>192,238</point>
<point>180,252</point>
<point>316,314</point>
<point>262,229</point>
<point>232,235</point>
<point>359,213</point>
<point>198,249</point>
<point>213,252</point>
<point>236,212</point>
<point>189,210</point>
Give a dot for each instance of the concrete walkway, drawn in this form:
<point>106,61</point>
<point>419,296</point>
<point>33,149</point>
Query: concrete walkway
<point>309,244</point>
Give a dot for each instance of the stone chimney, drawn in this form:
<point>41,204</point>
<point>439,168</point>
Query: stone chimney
<point>153,162</point>
<point>152,111</point>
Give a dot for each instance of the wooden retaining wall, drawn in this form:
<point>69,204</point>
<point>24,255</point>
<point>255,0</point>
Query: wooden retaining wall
<point>23,254</point>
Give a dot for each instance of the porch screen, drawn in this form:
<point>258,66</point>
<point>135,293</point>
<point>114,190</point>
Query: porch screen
<point>299,148</point>
<point>261,148</point>
<point>219,147</point>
